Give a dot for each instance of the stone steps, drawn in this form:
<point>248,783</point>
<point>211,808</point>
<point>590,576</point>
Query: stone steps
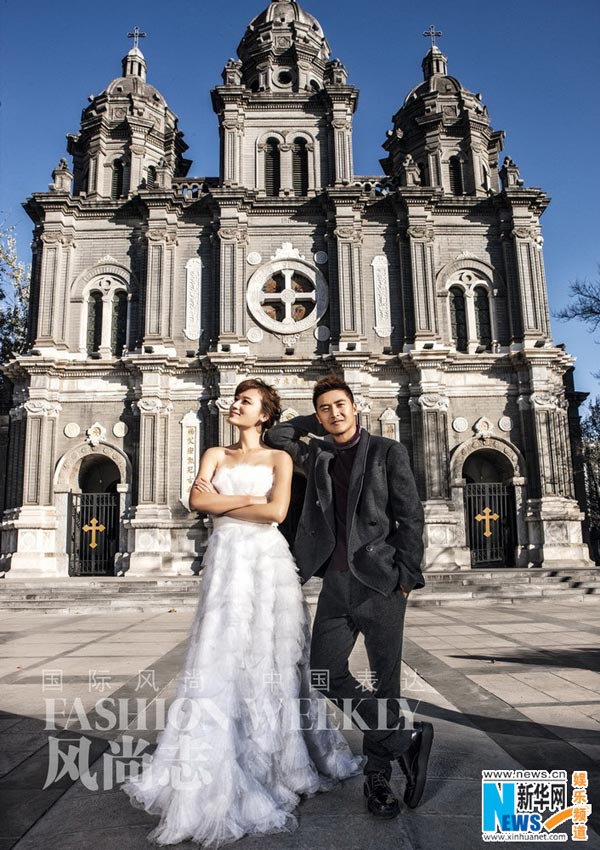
<point>477,587</point>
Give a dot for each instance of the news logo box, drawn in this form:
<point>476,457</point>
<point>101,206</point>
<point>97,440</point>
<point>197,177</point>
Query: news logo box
<point>534,805</point>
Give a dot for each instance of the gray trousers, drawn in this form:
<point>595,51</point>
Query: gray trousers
<point>347,608</point>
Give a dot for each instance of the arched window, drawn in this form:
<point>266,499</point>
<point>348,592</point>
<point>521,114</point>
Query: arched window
<point>456,181</point>
<point>272,168</point>
<point>483,325</point>
<point>458,318</point>
<point>118,170</point>
<point>300,167</point>
<point>151,181</point>
<point>94,323</point>
<point>118,335</point>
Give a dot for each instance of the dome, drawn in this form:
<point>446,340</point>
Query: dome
<point>283,37</point>
<point>124,86</point>
<point>286,11</point>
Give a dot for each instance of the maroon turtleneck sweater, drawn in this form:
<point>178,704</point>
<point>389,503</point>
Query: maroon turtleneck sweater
<point>340,471</point>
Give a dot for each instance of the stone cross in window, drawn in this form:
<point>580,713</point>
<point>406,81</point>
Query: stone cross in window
<point>293,293</point>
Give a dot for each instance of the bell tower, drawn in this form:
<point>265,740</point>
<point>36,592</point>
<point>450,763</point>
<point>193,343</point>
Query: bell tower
<point>285,109</point>
<point>441,136</point>
<point>129,138</point>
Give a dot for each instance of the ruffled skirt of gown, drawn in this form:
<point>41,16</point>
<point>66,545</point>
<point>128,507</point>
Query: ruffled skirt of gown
<point>238,752</point>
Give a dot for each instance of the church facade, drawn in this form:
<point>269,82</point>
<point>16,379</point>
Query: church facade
<point>154,293</point>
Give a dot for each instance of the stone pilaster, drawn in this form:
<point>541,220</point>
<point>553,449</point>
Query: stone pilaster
<point>150,527</point>
<point>29,528</point>
<point>349,276</point>
<point>161,258</point>
<point>421,257</point>
<point>232,239</point>
<point>553,514</point>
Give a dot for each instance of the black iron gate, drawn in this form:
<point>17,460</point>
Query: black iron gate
<point>490,520</point>
<point>93,533</point>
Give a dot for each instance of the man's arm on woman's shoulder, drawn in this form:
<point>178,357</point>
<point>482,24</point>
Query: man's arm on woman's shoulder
<point>287,436</point>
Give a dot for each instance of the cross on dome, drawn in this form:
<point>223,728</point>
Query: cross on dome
<point>432,33</point>
<point>136,35</point>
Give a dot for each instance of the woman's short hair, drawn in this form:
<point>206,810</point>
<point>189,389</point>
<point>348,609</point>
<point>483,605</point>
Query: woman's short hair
<point>328,383</point>
<point>271,403</point>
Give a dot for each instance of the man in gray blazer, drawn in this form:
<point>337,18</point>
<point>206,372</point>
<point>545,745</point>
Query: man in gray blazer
<point>361,529</point>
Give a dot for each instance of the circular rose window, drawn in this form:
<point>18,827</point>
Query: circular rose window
<point>287,296</point>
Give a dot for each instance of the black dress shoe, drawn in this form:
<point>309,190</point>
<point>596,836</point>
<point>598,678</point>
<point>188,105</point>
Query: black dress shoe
<point>413,764</point>
<point>381,801</point>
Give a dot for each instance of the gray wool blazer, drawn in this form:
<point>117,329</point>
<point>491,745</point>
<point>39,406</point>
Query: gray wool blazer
<point>385,514</point>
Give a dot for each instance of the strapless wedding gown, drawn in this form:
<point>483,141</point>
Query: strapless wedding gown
<point>239,751</point>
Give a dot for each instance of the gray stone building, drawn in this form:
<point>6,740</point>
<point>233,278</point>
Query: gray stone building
<point>154,293</point>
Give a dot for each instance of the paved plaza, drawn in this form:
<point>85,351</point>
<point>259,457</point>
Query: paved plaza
<point>506,687</point>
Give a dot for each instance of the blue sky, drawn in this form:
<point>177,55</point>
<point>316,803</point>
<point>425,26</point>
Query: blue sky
<point>536,63</point>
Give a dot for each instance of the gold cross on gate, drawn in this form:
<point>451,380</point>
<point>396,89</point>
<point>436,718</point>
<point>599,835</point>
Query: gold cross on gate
<point>486,517</point>
<point>94,526</point>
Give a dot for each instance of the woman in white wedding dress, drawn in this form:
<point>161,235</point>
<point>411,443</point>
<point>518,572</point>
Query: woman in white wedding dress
<point>246,735</point>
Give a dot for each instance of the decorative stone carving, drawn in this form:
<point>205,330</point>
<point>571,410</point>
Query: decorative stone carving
<point>61,178</point>
<point>505,423</point>
<point>255,334</point>
<point>287,414</point>
<point>460,424</point>
<point>381,291</point>
<point>430,401</point>
<point>254,258</point>
<point>288,339</point>
<point>224,403</point>
<point>348,233</point>
<point>321,257</point>
<point>286,252</point>
<point>41,407</point>
<point>524,232</point>
<point>149,405</point>
<point>484,427</point>
<point>420,233</point>
<point>120,429</point>
<point>95,434</point>
<point>363,404</point>
<point>474,444</point>
<point>544,400</point>
<point>390,424</point>
<point>321,333</point>
<point>68,464</point>
<point>510,174</point>
<point>232,234</point>
<point>193,282</point>
<point>71,430</point>
<point>412,175</point>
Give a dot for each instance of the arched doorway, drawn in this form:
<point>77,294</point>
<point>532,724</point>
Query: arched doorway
<point>94,518</point>
<point>490,514</point>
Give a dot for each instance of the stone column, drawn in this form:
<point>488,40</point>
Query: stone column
<point>30,546</point>
<point>530,282</point>
<point>232,238</point>
<point>53,283</point>
<point>342,144</point>
<point>421,256</point>
<point>232,129</point>
<point>444,528</point>
<point>152,521</point>
<point>349,275</point>
<point>554,515</point>
<point>429,420</point>
<point>161,255</point>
